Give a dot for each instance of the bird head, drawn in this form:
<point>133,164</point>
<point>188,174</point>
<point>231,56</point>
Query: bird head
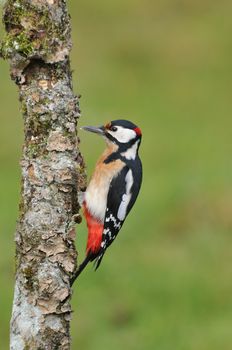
<point>122,133</point>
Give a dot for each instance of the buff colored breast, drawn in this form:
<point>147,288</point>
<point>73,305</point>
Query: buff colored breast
<point>97,190</point>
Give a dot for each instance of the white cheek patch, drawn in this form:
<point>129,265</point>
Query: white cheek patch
<point>126,197</point>
<point>123,135</point>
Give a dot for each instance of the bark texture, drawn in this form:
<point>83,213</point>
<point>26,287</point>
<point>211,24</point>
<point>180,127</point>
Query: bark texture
<point>37,45</point>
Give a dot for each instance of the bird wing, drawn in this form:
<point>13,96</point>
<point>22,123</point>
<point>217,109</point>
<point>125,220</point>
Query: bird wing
<point>118,205</point>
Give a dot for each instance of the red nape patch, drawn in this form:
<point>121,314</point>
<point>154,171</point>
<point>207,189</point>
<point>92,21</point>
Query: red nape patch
<point>95,229</point>
<point>138,131</point>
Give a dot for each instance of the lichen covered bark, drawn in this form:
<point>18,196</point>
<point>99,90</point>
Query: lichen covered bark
<point>37,45</point>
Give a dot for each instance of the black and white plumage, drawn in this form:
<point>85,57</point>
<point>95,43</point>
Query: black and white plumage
<point>113,188</point>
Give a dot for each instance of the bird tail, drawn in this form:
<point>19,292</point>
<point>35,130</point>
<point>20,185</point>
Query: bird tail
<point>89,257</point>
<point>80,269</point>
<point>98,260</point>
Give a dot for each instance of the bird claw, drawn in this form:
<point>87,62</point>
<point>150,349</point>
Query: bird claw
<point>77,218</point>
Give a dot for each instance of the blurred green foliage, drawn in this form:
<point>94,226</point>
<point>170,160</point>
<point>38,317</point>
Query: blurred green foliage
<point>166,65</point>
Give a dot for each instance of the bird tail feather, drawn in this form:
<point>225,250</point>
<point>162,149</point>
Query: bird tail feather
<point>80,269</point>
<point>97,262</point>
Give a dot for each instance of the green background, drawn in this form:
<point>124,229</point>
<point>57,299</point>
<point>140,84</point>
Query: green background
<point>166,65</point>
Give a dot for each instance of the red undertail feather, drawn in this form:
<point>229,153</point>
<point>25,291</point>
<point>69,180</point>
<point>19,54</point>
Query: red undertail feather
<point>95,229</point>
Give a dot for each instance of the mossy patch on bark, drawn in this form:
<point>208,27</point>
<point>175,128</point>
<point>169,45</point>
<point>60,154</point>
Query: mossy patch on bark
<point>34,31</point>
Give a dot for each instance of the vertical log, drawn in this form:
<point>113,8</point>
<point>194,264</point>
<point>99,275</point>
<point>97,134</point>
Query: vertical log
<point>37,45</point>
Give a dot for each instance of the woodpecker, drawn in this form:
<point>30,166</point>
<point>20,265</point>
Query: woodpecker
<point>113,187</point>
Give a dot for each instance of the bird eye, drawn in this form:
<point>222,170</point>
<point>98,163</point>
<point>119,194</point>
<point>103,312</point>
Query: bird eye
<point>113,128</point>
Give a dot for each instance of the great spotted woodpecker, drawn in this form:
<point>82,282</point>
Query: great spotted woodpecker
<point>113,188</point>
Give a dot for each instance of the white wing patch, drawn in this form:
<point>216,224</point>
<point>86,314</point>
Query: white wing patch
<point>126,196</point>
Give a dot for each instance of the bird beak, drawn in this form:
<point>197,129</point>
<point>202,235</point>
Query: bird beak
<point>97,130</point>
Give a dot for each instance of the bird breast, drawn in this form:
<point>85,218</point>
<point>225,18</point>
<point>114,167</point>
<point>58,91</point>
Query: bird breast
<point>98,188</point>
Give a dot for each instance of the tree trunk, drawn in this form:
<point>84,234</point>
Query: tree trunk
<point>37,45</point>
